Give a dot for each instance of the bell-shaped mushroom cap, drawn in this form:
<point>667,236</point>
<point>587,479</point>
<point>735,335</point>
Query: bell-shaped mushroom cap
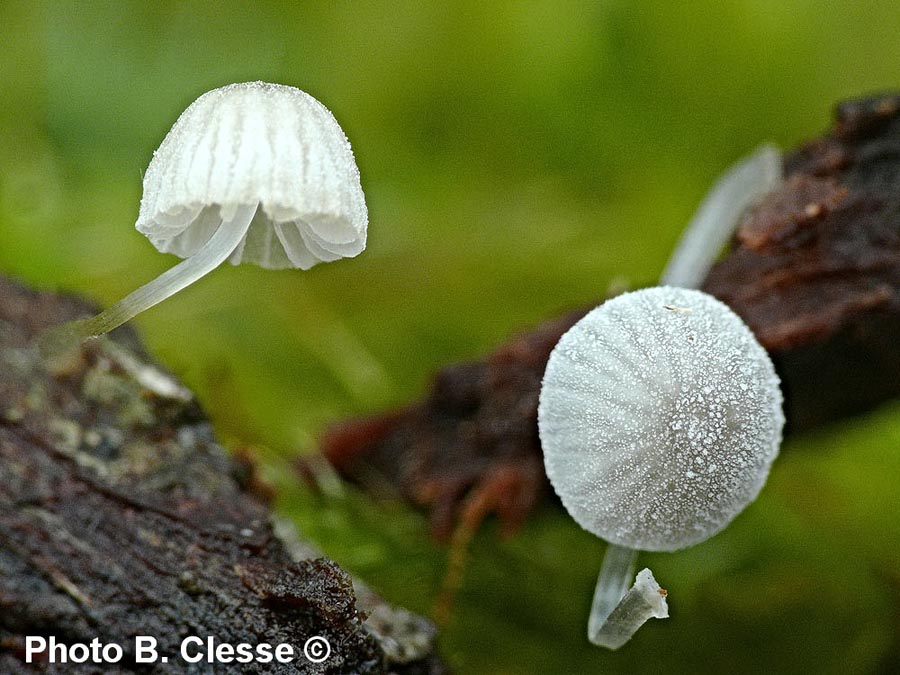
<point>254,143</point>
<point>660,415</point>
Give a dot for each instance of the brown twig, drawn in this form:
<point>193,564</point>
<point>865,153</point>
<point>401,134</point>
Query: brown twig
<point>814,270</point>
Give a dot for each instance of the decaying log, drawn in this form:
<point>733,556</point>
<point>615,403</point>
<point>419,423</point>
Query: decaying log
<point>471,447</point>
<point>121,516</point>
<point>814,270</point>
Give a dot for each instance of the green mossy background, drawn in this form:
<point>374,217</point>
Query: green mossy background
<point>518,158</point>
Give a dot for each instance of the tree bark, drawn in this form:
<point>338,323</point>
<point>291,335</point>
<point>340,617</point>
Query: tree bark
<point>121,516</point>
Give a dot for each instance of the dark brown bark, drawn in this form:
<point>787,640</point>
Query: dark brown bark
<point>121,516</point>
<point>814,270</point>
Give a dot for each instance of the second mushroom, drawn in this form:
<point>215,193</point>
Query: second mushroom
<point>660,414</point>
<point>250,172</point>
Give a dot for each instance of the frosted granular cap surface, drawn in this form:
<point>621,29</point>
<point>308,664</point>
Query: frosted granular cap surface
<point>659,416</point>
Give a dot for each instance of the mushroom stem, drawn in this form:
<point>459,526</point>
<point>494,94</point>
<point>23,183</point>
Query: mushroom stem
<point>212,254</point>
<point>719,214</point>
<point>616,614</point>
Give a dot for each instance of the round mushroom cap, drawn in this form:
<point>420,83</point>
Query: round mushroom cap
<point>252,143</point>
<point>659,416</point>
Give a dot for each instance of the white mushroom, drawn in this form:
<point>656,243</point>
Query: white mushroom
<point>659,416</point>
<point>660,413</point>
<point>251,172</point>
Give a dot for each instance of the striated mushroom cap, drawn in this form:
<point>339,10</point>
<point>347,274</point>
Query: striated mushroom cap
<point>659,416</point>
<point>254,143</point>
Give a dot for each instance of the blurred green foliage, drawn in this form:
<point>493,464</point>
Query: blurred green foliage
<point>517,157</point>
